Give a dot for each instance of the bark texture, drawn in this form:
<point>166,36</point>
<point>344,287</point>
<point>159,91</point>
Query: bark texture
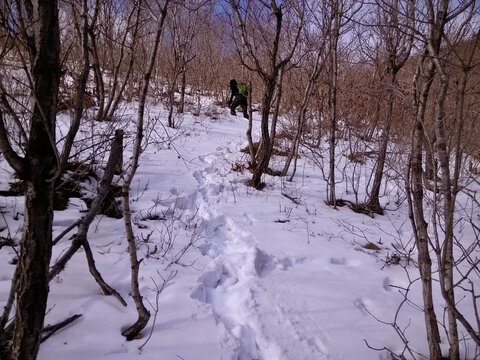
<point>40,166</point>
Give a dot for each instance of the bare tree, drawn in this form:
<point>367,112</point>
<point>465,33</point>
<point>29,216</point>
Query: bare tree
<point>436,17</point>
<point>415,191</point>
<point>396,31</point>
<point>184,27</point>
<point>38,26</point>
<point>254,18</point>
<point>130,333</point>
<point>112,46</point>
<point>340,13</point>
<point>449,182</point>
<point>315,38</point>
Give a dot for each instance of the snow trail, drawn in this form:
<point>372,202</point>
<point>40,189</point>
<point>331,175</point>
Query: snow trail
<point>258,325</point>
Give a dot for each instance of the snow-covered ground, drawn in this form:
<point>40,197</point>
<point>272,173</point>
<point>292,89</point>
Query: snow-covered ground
<point>264,278</point>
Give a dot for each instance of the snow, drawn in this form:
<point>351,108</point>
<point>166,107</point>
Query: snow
<point>264,277</point>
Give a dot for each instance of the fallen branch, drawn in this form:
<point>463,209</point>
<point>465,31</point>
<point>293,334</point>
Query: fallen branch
<point>80,238</point>
<point>107,289</point>
<point>52,329</point>
<point>292,199</point>
<point>65,232</point>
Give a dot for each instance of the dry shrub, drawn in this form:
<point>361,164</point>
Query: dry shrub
<point>246,149</point>
<point>239,167</point>
<point>371,246</point>
<point>286,134</point>
<point>360,157</point>
<point>277,149</point>
<point>68,100</point>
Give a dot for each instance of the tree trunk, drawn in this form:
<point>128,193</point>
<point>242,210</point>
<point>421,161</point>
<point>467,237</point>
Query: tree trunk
<point>332,103</point>
<point>431,170</point>
<point>374,201</point>
<point>40,168</point>
<point>263,155</point>
<point>447,261</point>
<point>418,217</point>
<point>97,71</point>
<point>253,162</point>
<point>336,14</point>
<point>398,44</point>
<point>302,114</point>
<point>181,106</point>
<point>171,102</point>
<point>422,239</point>
<point>143,314</point>
<point>438,17</point>
<point>32,288</point>
<point>293,153</point>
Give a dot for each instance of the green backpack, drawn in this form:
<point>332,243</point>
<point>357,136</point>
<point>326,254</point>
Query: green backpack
<point>242,88</point>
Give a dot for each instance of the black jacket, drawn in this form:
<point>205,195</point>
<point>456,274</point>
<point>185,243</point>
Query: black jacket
<point>234,88</point>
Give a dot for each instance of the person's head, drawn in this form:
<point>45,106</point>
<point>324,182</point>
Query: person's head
<point>233,83</point>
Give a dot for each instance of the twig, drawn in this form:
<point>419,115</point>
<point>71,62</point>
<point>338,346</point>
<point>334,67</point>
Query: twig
<point>65,232</point>
<point>52,329</point>
<point>158,289</point>
<point>291,198</point>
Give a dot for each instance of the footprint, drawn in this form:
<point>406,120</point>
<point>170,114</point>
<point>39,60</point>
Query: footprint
<point>263,263</point>
<point>387,284</point>
<point>340,261</point>
<point>360,305</point>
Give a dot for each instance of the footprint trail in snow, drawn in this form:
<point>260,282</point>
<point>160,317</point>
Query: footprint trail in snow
<point>257,324</point>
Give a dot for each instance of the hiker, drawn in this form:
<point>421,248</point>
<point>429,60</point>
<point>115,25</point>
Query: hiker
<point>238,97</point>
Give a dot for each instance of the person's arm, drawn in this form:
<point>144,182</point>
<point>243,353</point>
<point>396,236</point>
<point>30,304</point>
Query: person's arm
<point>234,92</point>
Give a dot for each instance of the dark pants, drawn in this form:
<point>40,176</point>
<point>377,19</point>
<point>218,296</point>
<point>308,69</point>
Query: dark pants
<point>242,101</point>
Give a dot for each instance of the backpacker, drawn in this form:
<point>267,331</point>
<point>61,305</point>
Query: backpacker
<point>242,89</point>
